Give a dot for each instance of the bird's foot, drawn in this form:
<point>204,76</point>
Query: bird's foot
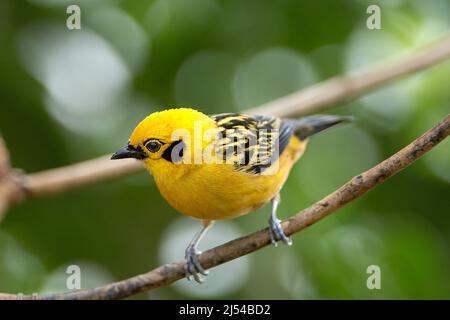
<point>193,266</point>
<point>276,232</point>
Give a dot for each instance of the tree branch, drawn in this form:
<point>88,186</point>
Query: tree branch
<point>10,184</point>
<point>350,191</point>
<point>341,89</point>
<point>310,100</point>
<point>78,175</point>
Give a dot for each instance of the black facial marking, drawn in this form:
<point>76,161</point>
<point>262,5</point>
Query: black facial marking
<point>174,153</point>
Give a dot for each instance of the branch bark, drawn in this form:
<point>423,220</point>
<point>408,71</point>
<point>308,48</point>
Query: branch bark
<point>310,100</point>
<point>353,189</point>
<point>78,175</point>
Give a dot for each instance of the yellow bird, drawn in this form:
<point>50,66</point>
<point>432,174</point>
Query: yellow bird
<point>221,166</point>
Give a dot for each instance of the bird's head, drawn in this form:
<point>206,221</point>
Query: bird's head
<point>166,136</point>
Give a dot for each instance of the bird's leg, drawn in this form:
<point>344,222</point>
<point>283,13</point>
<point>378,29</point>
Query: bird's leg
<point>193,266</point>
<point>275,230</point>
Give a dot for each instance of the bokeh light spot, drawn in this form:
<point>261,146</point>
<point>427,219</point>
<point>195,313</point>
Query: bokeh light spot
<point>91,275</point>
<point>86,80</point>
<point>203,82</point>
<point>390,107</point>
<point>271,74</point>
<point>334,157</point>
<point>123,32</point>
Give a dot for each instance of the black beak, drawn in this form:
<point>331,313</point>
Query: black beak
<point>129,152</point>
<point>308,126</point>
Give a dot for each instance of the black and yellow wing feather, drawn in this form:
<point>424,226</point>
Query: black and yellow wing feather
<point>252,143</point>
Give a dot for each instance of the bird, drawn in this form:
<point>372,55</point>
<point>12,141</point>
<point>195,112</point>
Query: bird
<point>221,166</point>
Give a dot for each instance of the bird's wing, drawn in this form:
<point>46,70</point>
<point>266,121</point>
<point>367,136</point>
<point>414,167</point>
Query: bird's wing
<point>251,143</point>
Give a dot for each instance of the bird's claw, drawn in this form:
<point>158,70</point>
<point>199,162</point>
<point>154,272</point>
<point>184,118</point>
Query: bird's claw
<point>193,267</point>
<point>276,232</point>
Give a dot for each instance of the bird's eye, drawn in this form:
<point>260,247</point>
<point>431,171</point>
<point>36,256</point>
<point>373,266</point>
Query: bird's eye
<point>153,146</point>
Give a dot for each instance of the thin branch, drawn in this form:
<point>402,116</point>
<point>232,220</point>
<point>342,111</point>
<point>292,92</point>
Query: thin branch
<point>10,185</point>
<point>350,191</point>
<point>310,100</point>
<point>78,175</point>
<point>341,89</point>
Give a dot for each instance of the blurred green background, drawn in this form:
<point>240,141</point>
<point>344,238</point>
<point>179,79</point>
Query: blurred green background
<point>68,96</point>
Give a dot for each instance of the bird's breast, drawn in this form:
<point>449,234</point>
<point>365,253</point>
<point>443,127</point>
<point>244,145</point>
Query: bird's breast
<point>218,191</point>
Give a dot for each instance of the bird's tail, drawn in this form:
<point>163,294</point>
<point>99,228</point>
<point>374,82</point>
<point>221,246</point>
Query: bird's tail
<point>308,126</point>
